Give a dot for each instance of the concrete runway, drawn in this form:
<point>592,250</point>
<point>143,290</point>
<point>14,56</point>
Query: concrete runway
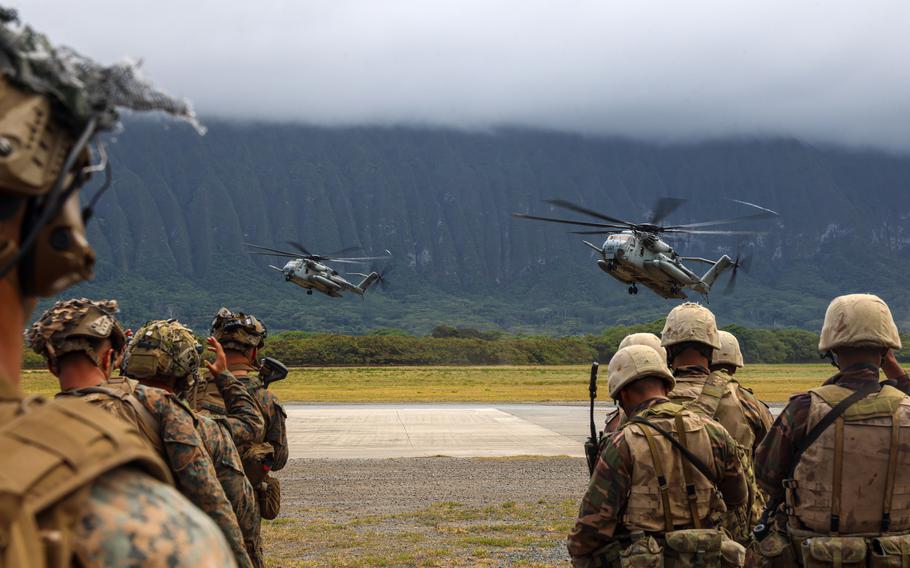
<point>420,430</point>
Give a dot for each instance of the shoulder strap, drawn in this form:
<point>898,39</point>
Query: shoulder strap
<point>662,484</point>
<point>693,459</point>
<point>691,495</point>
<point>146,422</point>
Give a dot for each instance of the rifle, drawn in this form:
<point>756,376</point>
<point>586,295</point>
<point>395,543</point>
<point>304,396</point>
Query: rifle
<point>271,371</point>
<point>592,444</point>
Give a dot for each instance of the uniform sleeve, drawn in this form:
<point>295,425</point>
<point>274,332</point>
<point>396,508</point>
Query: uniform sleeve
<point>244,417</point>
<point>276,432</point>
<point>732,476</point>
<point>604,501</point>
<point>775,452</point>
<point>114,527</point>
<point>758,415</point>
<point>194,471</point>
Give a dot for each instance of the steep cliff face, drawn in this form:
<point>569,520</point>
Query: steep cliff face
<point>170,234</point>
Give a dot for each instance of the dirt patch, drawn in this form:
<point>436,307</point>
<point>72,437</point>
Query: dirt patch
<point>426,512</point>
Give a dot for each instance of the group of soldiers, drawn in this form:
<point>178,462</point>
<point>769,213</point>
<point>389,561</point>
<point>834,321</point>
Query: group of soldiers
<point>692,469</point>
<point>219,434</point>
<point>154,465</point>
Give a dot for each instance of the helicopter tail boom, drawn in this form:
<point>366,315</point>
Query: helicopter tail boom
<point>370,279</point>
<point>722,264</point>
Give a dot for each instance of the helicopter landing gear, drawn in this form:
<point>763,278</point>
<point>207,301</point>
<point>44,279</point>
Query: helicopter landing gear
<point>309,292</point>
<point>633,290</point>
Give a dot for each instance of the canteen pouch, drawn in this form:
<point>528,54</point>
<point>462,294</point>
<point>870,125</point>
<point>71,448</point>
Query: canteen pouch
<point>693,548</point>
<point>269,496</point>
<point>643,553</point>
<point>889,551</point>
<point>254,461</point>
<point>834,552</point>
<point>606,556</point>
<point>773,550</point>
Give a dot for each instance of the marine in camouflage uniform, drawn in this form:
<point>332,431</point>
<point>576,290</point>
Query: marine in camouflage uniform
<point>165,354</point>
<point>692,339</point>
<point>68,336</point>
<point>850,480</point>
<point>80,487</point>
<point>636,506</point>
<point>242,336</point>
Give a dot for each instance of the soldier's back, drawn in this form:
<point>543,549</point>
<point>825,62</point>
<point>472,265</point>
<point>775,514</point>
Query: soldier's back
<point>85,490</point>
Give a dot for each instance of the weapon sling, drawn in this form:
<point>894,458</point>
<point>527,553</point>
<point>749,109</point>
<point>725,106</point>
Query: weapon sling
<point>761,529</point>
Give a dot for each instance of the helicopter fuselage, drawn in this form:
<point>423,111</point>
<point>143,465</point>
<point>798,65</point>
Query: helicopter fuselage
<point>312,275</point>
<point>637,257</point>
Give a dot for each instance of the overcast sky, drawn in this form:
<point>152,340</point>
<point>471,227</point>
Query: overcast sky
<point>829,71</point>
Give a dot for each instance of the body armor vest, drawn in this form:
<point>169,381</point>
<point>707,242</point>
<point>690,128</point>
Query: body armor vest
<point>117,396</point>
<point>667,492</point>
<point>50,453</point>
<point>852,479</point>
<point>716,397</point>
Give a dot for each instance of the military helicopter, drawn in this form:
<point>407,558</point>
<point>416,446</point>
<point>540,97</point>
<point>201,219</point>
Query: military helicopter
<point>309,271</point>
<point>634,253</point>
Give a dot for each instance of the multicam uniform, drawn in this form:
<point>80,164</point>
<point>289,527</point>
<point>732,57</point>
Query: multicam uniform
<point>624,500</point>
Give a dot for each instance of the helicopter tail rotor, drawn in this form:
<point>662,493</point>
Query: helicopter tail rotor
<point>741,262</point>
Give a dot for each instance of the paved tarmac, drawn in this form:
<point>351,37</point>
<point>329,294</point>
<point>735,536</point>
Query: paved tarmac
<point>342,431</point>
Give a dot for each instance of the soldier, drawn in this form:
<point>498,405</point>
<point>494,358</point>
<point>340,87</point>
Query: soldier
<point>835,457</point>
<point>80,340</point>
<point>691,337</point>
<point>242,336</point>
<point>80,487</point>
<point>615,416</point>
<point>647,494</point>
<point>164,354</point>
<point>728,358</point>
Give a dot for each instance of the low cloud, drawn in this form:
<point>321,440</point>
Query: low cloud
<point>824,71</point>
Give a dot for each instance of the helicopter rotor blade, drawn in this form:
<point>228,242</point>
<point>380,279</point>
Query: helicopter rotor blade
<point>256,253</point>
<point>677,231</point>
<point>344,251</point>
<point>664,207</point>
<point>567,221</point>
<point>283,252</point>
<point>763,213</point>
<point>606,232</point>
<point>301,248</point>
<point>333,259</point>
<point>585,211</point>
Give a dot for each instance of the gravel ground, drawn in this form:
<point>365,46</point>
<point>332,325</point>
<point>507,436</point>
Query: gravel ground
<point>426,512</point>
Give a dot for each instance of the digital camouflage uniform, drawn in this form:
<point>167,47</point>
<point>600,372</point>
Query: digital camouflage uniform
<point>240,332</point>
<point>79,487</point>
<point>222,433</point>
<point>166,352</point>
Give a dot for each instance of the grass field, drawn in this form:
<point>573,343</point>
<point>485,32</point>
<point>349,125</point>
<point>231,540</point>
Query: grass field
<point>772,383</point>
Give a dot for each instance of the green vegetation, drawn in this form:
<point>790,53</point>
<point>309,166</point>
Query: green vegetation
<point>488,383</point>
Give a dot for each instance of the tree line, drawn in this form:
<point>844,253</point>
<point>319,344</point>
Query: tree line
<point>447,345</point>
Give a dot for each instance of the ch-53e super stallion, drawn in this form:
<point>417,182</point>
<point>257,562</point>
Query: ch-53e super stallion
<point>634,253</point>
<point>310,271</point>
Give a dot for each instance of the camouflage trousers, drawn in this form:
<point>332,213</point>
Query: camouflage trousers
<point>738,521</point>
<point>243,500</point>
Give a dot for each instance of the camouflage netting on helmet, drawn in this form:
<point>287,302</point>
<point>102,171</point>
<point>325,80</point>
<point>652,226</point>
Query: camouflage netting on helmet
<point>163,349</point>
<point>75,326</point>
<point>238,330</point>
<point>79,87</point>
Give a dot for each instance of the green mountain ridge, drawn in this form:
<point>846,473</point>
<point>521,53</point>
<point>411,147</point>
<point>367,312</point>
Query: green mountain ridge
<point>170,233</point>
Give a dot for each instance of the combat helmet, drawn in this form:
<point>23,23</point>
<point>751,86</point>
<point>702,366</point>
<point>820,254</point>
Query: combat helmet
<point>238,331</point>
<point>75,325</point>
<point>729,352</point>
<point>166,350</point>
<point>635,362</point>
<point>858,320</point>
<point>690,322</point>
<point>648,339</point>
<point>53,102</point>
